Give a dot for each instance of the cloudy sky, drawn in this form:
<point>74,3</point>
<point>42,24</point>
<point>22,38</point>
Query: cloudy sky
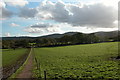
<point>43,17</point>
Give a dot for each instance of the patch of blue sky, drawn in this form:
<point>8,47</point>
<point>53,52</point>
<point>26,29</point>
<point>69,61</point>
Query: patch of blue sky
<point>12,8</point>
<point>23,23</point>
<point>19,21</point>
<point>50,21</point>
<point>33,4</point>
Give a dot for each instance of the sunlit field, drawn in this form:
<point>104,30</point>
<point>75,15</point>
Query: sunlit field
<point>11,56</point>
<point>78,61</point>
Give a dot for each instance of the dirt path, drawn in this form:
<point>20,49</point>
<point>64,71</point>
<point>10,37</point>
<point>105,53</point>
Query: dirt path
<point>27,69</point>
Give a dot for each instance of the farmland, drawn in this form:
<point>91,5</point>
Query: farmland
<point>78,61</point>
<point>12,59</point>
<point>10,56</point>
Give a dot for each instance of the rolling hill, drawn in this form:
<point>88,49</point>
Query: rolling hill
<point>101,35</point>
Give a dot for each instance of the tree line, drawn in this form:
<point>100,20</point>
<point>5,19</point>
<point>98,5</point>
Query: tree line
<point>78,38</point>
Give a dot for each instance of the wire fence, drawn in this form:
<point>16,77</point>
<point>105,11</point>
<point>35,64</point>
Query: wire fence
<point>38,65</point>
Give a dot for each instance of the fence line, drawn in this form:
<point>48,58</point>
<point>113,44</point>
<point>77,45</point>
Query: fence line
<point>1,69</point>
<point>39,68</point>
<point>45,75</point>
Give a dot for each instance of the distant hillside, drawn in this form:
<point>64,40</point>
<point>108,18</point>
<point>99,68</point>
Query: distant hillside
<point>58,35</point>
<point>52,36</point>
<point>102,35</point>
<point>15,38</point>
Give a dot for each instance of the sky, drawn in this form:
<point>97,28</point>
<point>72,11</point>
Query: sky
<point>44,17</point>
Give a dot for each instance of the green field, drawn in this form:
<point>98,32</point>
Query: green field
<point>79,61</point>
<point>10,56</point>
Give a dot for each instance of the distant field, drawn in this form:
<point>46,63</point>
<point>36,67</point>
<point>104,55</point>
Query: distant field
<point>10,56</point>
<point>79,61</point>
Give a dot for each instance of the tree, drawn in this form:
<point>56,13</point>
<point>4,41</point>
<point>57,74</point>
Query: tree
<point>22,43</point>
<point>66,39</point>
<point>78,38</point>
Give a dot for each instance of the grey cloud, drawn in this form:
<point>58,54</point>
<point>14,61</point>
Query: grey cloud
<point>26,12</point>
<point>95,15</point>
<point>57,10</point>
<point>41,25</point>
<point>119,11</point>
<point>6,13</point>
<point>60,13</point>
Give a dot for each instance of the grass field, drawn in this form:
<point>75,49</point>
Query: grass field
<point>10,56</point>
<point>79,61</point>
<point>12,60</point>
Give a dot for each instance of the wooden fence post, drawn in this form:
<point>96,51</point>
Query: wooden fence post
<point>44,75</point>
<point>39,69</point>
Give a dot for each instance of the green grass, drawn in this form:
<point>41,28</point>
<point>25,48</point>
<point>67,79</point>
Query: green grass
<point>10,56</point>
<point>79,61</point>
<point>14,75</point>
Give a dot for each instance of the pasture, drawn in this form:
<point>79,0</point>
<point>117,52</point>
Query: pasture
<point>78,61</point>
<point>10,56</point>
<point>12,60</point>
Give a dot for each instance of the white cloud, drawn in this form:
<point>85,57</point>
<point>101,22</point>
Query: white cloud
<point>56,11</point>
<point>6,13</point>
<point>41,25</point>
<point>101,14</point>
<point>14,25</point>
<point>2,4</point>
<point>20,3</point>
<point>42,28</point>
<point>113,3</point>
<point>92,15</point>
<point>33,30</point>
<point>98,14</point>
<point>7,34</point>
